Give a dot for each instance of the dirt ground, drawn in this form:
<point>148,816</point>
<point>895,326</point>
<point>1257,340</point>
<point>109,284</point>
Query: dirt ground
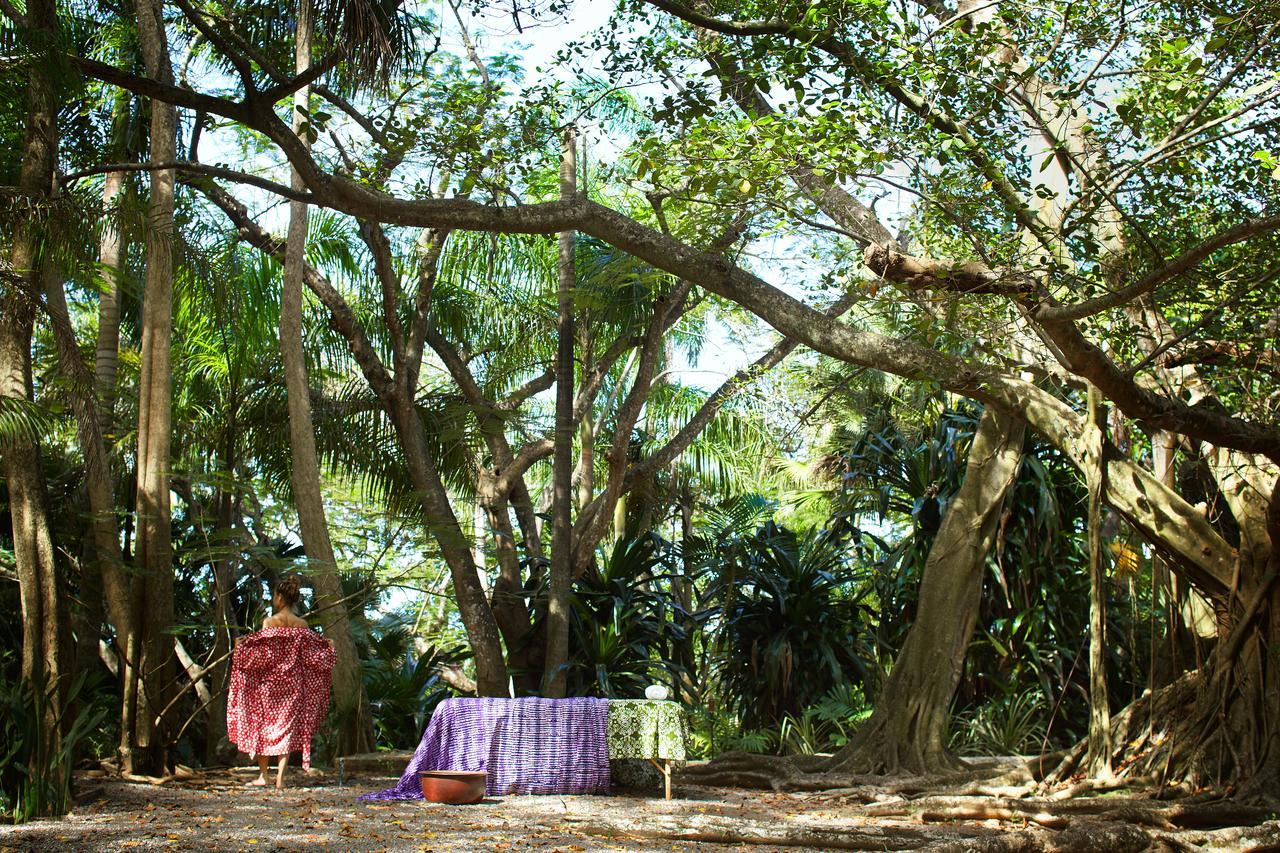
<point>214,812</point>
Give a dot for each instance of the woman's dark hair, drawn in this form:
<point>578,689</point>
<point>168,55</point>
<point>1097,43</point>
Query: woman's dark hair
<point>288,590</point>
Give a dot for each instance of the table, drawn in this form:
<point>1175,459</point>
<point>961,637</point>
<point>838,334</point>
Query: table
<point>654,730</point>
<point>544,746</point>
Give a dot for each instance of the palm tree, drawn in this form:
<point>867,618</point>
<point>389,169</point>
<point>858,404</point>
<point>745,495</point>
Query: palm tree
<point>352,703</point>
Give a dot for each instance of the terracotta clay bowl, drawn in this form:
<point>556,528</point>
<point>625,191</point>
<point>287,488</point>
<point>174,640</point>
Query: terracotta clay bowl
<point>455,787</point>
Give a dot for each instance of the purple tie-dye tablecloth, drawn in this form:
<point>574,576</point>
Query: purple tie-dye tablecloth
<point>527,745</point>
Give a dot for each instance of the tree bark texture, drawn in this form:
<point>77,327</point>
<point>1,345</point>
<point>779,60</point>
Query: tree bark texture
<point>148,691</point>
<point>110,271</point>
<point>351,704</point>
<point>1099,759</point>
<point>908,729</point>
<point>555,673</point>
<point>47,650</point>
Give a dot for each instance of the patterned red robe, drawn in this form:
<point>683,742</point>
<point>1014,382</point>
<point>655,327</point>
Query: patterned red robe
<point>279,691</point>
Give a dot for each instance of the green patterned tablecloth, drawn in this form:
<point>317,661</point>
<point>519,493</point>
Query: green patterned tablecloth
<point>643,728</point>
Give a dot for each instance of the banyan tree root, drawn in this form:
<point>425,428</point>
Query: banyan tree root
<point>746,770</point>
<point>1213,728</point>
<point>1058,814</point>
<point>1076,836</point>
<point>719,830</point>
<point>814,773</point>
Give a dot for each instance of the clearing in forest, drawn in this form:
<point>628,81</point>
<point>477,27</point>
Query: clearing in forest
<point>214,812</point>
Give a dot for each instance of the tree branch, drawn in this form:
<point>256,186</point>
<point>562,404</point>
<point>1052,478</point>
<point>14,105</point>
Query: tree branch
<point>1180,265</point>
<point>193,168</point>
<point>341,316</point>
<point>680,442</point>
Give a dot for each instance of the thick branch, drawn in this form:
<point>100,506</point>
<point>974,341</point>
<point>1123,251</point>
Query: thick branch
<point>193,168</point>
<point>536,385</point>
<point>960,277</point>
<point>384,268</point>
<point>1085,359</point>
<point>1180,265</point>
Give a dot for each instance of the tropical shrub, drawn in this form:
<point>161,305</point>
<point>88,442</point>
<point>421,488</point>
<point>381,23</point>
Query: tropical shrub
<point>825,726</point>
<point>1011,725</point>
<point>404,684</point>
<point>35,770</point>
<point>792,623</point>
<point>624,620</point>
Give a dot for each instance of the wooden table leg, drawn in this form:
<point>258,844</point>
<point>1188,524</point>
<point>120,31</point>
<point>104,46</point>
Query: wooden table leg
<point>665,769</point>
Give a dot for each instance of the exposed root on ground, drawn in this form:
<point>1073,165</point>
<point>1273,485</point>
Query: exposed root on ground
<point>1045,800</point>
<point>814,773</point>
<point>1041,826</point>
<point>1183,738</point>
<point>1059,813</point>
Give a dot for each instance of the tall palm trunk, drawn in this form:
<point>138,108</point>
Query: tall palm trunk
<point>105,585</point>
<point>1099,760</point>
<point>110,269</point>
<point>46,646</point>
<point>555,675</point>
<point>355,724</point>
<point>907,731</point>
<point>223,617</point>
<point>106,559</point>
<point>150,648</point>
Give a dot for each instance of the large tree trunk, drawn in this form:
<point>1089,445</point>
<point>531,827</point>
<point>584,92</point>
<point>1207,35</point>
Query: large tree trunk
<point>1216,725</point>
<point>555,671</point>
<point>908,730</point>
<point>150,649</point>
<point>46,637</point>
<point>351,701</point>
<point>442,524</point>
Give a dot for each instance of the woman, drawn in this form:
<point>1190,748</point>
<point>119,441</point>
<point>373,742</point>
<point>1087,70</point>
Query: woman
<point>279,686</point>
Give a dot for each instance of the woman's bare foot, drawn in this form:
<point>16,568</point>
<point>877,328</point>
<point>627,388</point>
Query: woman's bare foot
<point>260,782</point>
